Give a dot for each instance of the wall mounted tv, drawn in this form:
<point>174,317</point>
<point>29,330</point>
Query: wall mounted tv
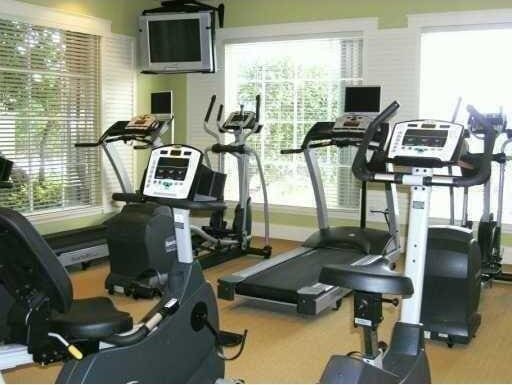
<point>177,42</point>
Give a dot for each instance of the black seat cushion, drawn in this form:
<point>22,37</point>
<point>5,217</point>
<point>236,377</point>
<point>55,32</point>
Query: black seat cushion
<point>91,318</point>
<point>349,370</point>
<point>375,277</point>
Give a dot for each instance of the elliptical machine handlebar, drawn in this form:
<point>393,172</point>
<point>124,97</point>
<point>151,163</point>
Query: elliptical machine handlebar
<point>206,127</point>
<point>258,109</point>
<point>361,170</point>
<point>210,108</point>
<point>219,113</point>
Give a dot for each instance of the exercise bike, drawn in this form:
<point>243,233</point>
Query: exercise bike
<point>218,241</point>
<point>422,146</point>
<point>178,341</point>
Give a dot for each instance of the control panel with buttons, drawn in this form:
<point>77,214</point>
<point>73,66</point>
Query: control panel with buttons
<point>425,139</point>
<point>171,171</point>
<point>353,123</point>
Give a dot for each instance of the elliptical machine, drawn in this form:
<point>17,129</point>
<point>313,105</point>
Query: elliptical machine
<point>489,228</point>
<point>422,146</point>
<point>241,124</point>
<point>178,341</point>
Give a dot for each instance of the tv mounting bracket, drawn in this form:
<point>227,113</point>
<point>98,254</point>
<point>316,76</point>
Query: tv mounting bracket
<point>188,6</point>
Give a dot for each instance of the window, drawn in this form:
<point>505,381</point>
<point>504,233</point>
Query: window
<point>49,100</point>
<point>301,82</point>
<point>474,65</point>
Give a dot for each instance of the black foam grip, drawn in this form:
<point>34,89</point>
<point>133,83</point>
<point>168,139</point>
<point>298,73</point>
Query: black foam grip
<point>219,114</point>
<point>258,107</point>
<point>210,108</point>
<point>227,148</point>
<point>292,151</point>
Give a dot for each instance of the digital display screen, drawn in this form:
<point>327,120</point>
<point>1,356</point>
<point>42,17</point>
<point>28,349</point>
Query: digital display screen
<point>172,41</point>
<point>161,103</point>
<point>427,138</point>
<point>428,133</point>
<point>172,168</point>
<point>362,99</point>
<point>238,118</point>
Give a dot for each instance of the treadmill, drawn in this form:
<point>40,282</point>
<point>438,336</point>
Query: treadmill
<point>83,245</point>
<point>291,278</point>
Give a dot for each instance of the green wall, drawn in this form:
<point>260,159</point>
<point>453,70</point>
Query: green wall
<point>391,13</point>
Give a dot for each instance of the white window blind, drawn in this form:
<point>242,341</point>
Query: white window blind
<point>474,65</point>
<point>49,100</point>
<point>118,102</point>
<point>301,82</point>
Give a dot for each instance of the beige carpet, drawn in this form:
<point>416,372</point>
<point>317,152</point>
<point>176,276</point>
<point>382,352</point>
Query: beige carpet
<point>284,347</point>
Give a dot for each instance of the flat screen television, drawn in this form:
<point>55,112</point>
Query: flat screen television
<point>177,42</point>
<point>362,99</point>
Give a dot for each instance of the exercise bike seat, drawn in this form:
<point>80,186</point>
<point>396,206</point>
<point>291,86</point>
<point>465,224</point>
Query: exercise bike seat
<point>374,277</point>
<point>31,272</point>
<point>349,370</point>
<point>91,319</point>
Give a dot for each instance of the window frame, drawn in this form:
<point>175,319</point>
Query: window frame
<point>53,18</point>
<point>419,24</point>
<point>361,27</point>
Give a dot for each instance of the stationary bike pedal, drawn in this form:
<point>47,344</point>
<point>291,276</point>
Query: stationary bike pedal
<point>230,339</point>
<point>144,291</point>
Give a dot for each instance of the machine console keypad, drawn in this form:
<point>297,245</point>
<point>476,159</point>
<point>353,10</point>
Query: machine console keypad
<point>171,172</point>
<point>353,123</point>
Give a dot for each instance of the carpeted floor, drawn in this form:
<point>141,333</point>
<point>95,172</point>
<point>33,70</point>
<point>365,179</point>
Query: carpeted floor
<point>284,347</point>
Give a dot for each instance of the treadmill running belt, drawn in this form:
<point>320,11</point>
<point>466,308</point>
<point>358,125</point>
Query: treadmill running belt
<point>72,240</point>
<point>281,282</point>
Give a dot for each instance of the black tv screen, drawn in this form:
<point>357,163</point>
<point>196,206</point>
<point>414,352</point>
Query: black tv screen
<point>161,103</point>
<point>362,99</point>
<point>172,41</point>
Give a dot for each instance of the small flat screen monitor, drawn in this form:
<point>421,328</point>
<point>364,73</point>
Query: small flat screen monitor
<point>362,99</point>
<point>161,103</point>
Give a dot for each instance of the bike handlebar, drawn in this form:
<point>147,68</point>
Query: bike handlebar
<point>360,165</point>
<point>362,172</point>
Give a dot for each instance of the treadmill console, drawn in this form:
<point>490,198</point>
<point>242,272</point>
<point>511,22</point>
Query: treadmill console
<point>428,139</point>
<point>237,121</point>
<point>351,123</point>
<point>172,171</point>
<point>143,122</point>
